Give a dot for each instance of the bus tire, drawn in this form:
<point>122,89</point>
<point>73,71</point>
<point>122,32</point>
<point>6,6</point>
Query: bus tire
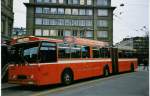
<point>132,68</point>
<point>67,77</point>
<point>106,72</point>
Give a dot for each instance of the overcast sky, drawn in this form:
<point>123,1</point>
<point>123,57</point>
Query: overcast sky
<point>128,19</point>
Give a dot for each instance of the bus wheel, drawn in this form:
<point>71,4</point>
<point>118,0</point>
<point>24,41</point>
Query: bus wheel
<point>106,72</point>
<point>132,68</point>
<point>67,77</point>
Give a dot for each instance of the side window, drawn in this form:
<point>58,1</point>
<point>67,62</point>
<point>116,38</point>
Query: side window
<point>126,54</point>
<point>75,51</point>
<point>31,52</point>
<point>95,52</point>
<point>85,51</point>
<point>47,52</point>
<point>63,50</point>
<point>104,52</point>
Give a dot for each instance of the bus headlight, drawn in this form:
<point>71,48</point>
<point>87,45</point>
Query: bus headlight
<point>31,77</point>
<point>14,76</point>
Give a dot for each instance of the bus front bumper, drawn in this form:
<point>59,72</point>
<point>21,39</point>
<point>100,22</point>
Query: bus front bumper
<point>22,82</point>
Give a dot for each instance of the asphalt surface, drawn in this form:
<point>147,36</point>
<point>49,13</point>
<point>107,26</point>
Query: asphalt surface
<point>127,84</point>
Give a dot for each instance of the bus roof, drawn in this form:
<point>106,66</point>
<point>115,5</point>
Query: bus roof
<point>67,39</point>
<point>33,38</point>
<point>83,41</point>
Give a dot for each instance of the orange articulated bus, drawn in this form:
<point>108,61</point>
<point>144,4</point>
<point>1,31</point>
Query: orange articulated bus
<point>42,61</point>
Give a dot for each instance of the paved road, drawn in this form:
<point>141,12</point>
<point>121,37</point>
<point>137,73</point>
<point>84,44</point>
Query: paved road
<point>128,84</point>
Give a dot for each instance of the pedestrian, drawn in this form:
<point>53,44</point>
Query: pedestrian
<point>146,63</point>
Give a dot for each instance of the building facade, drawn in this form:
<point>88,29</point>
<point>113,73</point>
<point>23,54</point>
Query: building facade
<point>125,44</point>
<point>92,19</point>
<point>7,18</point>
<point>140,44</point>
<point>18,32</point>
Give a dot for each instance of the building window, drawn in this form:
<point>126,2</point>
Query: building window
<point>60,21</point>
<point>38,10</point>
<point>38,21</point>
<point>38,1</point>
<point>75,1</point>
<point>67,22</point>
<point>9,28</point>
<point>74,33</point>
<point>102,12</point>
<point>46,10</point>
<point>74,11</point>
<point>53,32</point>
<point>69,1</point>
<point>45,21</point>
<point>46,1</point>
<point>68,11</point>
<point>2,26</point>
<point>82,12</point>
<point>102,23</point>
<point>38,32</point>
<point>89,2</point>
<point>45,32</point>
<point>67,33</point>
<point>74,22</point>
<point>60,10</point>
<point>82,2</point>
<point>54,10</point>
<point>81,22</point>
<point>81,33</point>
<point>53,21</point>
<point>61,1</point>
<point>89,12</point>
<point>88,22</point>
<point>53,1</point>
<point>102,34</point>
<point>89,34</point>
<point>60,32</point>
<point>102,2</point>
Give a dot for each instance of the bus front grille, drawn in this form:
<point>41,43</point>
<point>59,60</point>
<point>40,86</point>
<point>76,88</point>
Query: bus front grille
<point>21,77</point>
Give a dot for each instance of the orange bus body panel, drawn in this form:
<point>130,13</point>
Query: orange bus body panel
<point>125,64</point>
<point>50,73</point>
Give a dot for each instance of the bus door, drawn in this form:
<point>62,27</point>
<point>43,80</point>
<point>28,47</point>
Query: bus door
<point>114,58</point>
<point>48,52</point>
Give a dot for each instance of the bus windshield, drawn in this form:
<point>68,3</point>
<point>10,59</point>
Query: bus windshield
<point>24,53</point>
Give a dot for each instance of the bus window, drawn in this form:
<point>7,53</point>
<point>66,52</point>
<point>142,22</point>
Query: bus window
<point>95,52</point>
<point>126,54</point>
<point>85,51</point>
<point>47,52</point>
<point>75,51</point>
<point>25,52</point>
<point>30,54</point>
<point>104,53</point>
<point>63,50</point>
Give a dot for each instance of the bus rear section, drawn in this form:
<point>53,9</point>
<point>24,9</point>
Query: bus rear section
<point>125,62</point>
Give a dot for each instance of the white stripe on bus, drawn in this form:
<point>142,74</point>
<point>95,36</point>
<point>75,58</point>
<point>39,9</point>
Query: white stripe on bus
<point>79,61</point>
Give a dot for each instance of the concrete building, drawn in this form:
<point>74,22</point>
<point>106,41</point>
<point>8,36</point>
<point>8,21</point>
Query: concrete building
<point>91,19</point>
<point>140,44</point>
<point>125,44</point>
<point>7,18</point>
